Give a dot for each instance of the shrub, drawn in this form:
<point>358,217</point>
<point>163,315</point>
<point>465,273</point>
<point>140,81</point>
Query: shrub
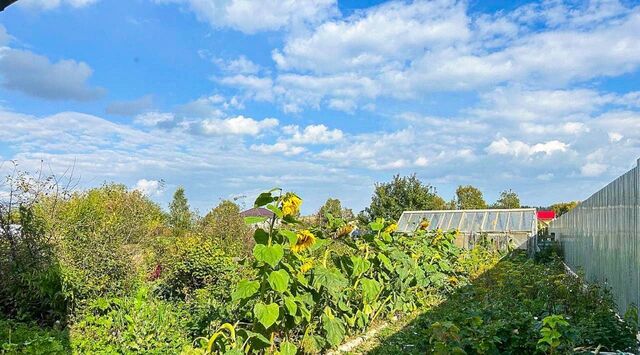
<point>102,237</point>
<point>226,227</point>
<point>30,338</point>
<point>133,324</point>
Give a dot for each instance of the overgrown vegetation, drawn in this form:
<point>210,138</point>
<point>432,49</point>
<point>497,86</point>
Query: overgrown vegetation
<point>108,271</point>
<point>520,306</point>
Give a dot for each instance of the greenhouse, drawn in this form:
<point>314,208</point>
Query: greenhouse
<point>502,227</point>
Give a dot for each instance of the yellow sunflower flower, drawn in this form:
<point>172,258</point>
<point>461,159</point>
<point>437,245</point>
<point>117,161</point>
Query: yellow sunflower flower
<point>305,240</point>
<point>345,230</point>
<point>306,266</point>
<point>391,228</point>
<point>424,224</point>
<point>291,205</point>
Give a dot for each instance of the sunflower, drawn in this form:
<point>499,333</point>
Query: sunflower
<point>391,228</point>
<point>305,240</point>
<point>306,266</point>
<point>424,224</point>
<point>291,205</point>
<point>345,230</point>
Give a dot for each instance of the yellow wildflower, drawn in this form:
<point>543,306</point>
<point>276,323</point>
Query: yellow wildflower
<point>345,230</point>
<point>306,266</point>
<point>391,228</point>
<point>453,280</point>
<point>291,205</point>
<point>424,224</point>
<point>305,240</point>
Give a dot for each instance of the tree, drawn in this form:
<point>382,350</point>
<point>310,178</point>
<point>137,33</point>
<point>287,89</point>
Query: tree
<point>508,199</point>
<point>401,194</point>
<point>563,207</point>
<point>334,207</point>
<point>469,198</point>
<point>180,216</point>
<point>225,225</point>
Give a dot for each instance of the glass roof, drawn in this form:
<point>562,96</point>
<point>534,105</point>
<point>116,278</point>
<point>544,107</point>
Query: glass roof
<point>489,220</point>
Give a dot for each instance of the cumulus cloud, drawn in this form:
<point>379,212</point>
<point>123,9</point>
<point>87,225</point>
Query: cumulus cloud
<point>278,147</point>
<point>517,148</point>
<point>254,16</point>
<point>405,50</point>
<point>35,75</point>
<point>149,187</point>
<point>313,134</point>
<point>239,125</point>
<point>240,65</point>
<point>130,107</point>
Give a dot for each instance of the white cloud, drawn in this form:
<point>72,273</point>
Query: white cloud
<point>240,65</point>
<point>153,119</point>
<point>53,4</point>
<point>253,16</point>
<point>615,137</point>
<point>4,36</point>
<point>569,128</point>
<point>406,50</point>
<point>258,88</point>
<point>313,134</point>
<point>593,169</point>
<point>149,187</point>
<point>239,125</point>
<point>35,75</point>
<point>278,147</point>
<point>518,148</point>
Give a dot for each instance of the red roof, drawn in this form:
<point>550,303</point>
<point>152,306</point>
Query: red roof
<point>546,215</point>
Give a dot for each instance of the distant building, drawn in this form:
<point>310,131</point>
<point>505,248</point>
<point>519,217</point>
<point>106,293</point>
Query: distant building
<point>258,212</point>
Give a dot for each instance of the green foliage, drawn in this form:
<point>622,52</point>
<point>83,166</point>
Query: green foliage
<point>225,226</point>
<point>190,263</point>
<point>133,324</point>
<point>563,207</point>
<point>332,208</point>
<point>401,194</point>
<point>507,199</point>
<point>102,234</point>
<point>27,338</point>
<point>519,307</point>
<point>313,291</point>
<point>469,198</point>
<point>180,215</point>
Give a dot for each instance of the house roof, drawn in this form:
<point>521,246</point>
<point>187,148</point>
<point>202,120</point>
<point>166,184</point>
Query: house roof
<point>256,212</point>
<point>546,215</point>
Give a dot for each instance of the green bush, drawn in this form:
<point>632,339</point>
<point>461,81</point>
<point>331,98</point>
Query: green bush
<point>133,324</point>
<point>30,338</point>
<point>103,234</point>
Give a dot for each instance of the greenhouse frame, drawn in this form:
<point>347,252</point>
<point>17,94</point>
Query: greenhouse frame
<point>504,228</point>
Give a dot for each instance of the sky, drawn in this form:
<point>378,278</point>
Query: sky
<point>322,97</point>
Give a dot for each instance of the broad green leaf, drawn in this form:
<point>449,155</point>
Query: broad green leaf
<point>267,314</point>
<point>370,289</point>
<point>234,352</point>
<point>261,236</point>
<point>290,235</point>
<point>245,289</point>
<point>377,225</point>
<point>287,348</point>
<point>275,210</point>
<point>279,280</point>
<point>332,280</point>
<point>257,340</point>
<point>334,329</point>
<point>263,199</point>
<point>254,220</point>
<point>291,305</point>
<point>360,265</point>
<point>385,261</point>
<point>268,254</point>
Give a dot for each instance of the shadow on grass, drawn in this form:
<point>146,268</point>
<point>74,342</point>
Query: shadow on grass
<point>502,312</point>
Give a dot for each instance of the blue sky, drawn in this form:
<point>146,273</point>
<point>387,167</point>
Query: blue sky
<point>323,97</point>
